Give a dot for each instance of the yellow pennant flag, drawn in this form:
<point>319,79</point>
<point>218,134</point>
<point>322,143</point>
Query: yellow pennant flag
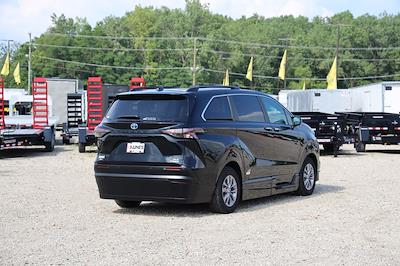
<point>304,85</point>
<point>225,82</point>
<point>331,78</point>
<point>282,67</point>
<point>6,67</point>
<point>16,74</point>
<point>249,74</point>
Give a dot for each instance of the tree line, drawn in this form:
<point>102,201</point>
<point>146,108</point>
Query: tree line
<point>219,43</point>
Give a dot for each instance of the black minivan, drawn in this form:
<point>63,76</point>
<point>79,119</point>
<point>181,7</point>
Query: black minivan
<point>206,144</point>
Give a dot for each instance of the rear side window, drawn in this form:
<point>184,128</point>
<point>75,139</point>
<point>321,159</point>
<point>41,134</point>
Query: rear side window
<point>150,108</point>
<point>275,112</point>
<point>218,109</point>
<point>248,108</point>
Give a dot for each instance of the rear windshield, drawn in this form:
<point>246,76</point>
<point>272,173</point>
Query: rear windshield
<point>150,108</point>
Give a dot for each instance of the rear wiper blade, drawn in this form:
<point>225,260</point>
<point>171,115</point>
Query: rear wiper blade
<point>129,117</point>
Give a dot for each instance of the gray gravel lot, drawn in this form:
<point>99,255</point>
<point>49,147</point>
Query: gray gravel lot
<point>51,214</point>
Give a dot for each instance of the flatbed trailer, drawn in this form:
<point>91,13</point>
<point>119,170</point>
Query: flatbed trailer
<point>330,130</point>
<point>374,128</point>
<point>29,130</point>
<point>99,98</point>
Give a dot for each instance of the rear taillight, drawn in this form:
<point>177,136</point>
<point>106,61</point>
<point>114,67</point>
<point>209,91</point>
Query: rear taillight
<point>186,133</point>
<point>397,128</point>
<point>378,128</point>
<point>101,131</point>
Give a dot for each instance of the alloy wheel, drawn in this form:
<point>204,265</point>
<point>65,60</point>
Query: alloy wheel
<point>309,176</point>
<point>229,191</point>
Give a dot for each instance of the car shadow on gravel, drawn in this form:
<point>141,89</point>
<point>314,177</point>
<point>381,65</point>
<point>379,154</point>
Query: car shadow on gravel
<point>266,202</point>
<point>168,209</point>
<point>199,210</point>
<point>341,153</point>
<point>29,152</point>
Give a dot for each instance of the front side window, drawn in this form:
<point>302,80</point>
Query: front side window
<point>275,112</point>
<point>218,109</point>
<point>248,108</point>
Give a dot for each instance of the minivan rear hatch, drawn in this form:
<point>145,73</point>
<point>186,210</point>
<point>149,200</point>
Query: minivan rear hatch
<point>143,130</point>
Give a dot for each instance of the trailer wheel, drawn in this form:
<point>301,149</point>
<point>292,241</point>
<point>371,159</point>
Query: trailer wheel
<point>360,146</point>
<point>49,145</point>
<point>66,141</point>
<point>329,148</point>
<point>82,147</point>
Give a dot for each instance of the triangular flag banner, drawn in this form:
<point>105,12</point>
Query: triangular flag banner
<point>16,74</point>
<point>6,67</point>
<point>304,85</point>
<point>282,67</point>
<point>249,74</point>
<point>331,78</point>
<point>226,78</point>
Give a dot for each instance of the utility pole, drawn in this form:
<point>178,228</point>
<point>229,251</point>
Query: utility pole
<point>194,60</point>
<point>30,63</point>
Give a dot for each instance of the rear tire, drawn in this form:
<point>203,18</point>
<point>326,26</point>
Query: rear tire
<point>82,147</point>
<point>127,203</point>
<point>227,193</point>
<point>49,145</point>
<point>360,146</point>
<point>307,177</point>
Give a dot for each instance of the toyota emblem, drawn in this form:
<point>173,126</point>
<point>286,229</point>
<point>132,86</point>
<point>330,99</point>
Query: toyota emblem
<point>134,126</point>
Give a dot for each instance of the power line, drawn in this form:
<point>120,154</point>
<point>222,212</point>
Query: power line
<point>109,48</point>
<point>110,66</point>
<point>248,44</point>
<point>210,51</point>
<point>300,79</point>
<point>107,37</point>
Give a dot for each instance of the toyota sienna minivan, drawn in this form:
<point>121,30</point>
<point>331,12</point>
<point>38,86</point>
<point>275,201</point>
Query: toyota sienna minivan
<point>206,144</point>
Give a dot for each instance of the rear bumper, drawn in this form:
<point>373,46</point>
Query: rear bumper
<point>382,139</point>
<point>185,187</point>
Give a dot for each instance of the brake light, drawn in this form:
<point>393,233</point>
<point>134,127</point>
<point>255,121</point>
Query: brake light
<point>397,128</point>
<point>100,131</point>
<point>378,128</point>
<point>186,133</point>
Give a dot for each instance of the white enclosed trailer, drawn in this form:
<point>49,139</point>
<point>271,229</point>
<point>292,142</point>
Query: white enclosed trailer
<point>58,90</point>
<point>318,100</point>
<point>378,97</point>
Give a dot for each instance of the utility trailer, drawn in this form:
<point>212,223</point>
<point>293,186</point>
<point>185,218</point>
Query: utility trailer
<point>99,97</point>
<point>137,83</point>
<point>76,115</point>
<point>331,130</point>
<point>374,128</point>
<point>27,130</point>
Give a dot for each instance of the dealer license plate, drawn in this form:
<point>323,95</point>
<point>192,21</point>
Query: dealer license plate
<point>135,147</point>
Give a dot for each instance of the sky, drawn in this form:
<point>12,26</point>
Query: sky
<point>18,17</point>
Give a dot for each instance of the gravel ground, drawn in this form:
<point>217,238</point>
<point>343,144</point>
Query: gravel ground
<point>51,214</point>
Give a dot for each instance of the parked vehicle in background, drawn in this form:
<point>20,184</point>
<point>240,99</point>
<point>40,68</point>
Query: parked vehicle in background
<point>210,144</point>
<point>331,130</point>
<point>375,128</point>
<point>29,121</point>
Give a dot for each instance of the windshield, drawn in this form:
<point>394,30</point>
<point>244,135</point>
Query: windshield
<point>167,109</point>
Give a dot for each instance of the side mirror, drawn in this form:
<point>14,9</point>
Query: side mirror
<point>296,121</point>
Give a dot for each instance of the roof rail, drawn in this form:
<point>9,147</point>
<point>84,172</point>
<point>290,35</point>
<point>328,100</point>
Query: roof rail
<point>211,86</point>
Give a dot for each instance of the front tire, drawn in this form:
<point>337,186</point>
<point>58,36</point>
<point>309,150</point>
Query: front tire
<point>227,193</point>
<point>127,203</point>
<point>308,174</point>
